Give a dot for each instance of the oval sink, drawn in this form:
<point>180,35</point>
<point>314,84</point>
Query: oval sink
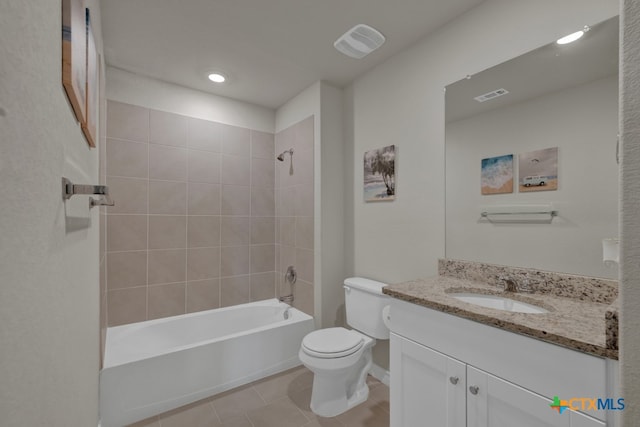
<point>498,302</point>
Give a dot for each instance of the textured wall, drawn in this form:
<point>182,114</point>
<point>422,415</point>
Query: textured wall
<point>49,294</point>
<point>629,211</point>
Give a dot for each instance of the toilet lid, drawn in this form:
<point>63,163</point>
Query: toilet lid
<point>332,343</point>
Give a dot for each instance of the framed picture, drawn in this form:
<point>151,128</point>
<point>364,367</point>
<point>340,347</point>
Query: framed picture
<point>538,170</point>
<point>74,56</point>
<point>380,174</point>
<point>496,175</point>
<point>89,126</point>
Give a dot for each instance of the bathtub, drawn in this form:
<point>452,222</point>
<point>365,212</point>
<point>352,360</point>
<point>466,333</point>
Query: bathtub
<point>158,365</point>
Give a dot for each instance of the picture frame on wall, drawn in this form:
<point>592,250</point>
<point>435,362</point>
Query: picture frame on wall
<point>74,56</point>
<point>380,174</point>
<point>89,126</point>
<point>538,170</point>
<point>496,175</point>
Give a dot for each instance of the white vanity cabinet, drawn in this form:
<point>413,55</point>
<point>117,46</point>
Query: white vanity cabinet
<point>451,372</point>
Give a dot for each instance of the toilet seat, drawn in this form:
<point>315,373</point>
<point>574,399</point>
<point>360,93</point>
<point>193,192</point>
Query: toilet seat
<point>332,343</point>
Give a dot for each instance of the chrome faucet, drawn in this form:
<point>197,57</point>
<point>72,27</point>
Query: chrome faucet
<point>510,285</point>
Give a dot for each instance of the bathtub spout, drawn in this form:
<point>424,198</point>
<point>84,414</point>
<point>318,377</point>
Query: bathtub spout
<point>287,298</point>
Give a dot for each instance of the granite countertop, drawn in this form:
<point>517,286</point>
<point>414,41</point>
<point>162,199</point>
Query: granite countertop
<point>584,324</point>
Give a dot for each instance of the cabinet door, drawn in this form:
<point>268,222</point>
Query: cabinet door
<point>493,402</point>
<point>427,387</point>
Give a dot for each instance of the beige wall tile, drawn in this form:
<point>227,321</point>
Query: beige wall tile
<point>287,258</point>
<point>203,199</point>
<point>203,263</point>
<point>203,295</point>
<point>167,266</point>
<point>125,121</point>
<point>128,159</point>
<point>167,197</point>
<point>235,290</point>
<point>303,168</point>
<point>304,200</point>
<point>127,305</point>
<point>167,232</point>
<point>204,167</point>
<point>285,140</point>
<point>303,293</point>
<point>168,163</point>
<point>234,261</point>
<point>203,231</point>
<point>167,128</point>
<point>286,201</point>
<point>304,264</point>
<point>236,140</point>
<point>283,170</point>
<point>130,194</point>
<point>262,145</point>
<point>287,230</point>
<point>262,201</point>
<point>235,200</point>
<point>236,170</point>
<point>126,232</point>
<point>262,172</point>
<point>126,269</point>
<point>263,258</point>
<point>205,135</point>
<point>166,300</point>
<point>263,286</point>
<point>263,230</point>
<point>304,232</point>
<point>236,230</point>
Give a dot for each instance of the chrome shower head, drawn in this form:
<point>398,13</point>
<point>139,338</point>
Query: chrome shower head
<point>281,156</point>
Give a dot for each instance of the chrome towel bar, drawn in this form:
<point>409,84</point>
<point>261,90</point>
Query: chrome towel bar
<point>70,189</point>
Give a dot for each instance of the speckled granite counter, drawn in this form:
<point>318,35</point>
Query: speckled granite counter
<point>582,316</point>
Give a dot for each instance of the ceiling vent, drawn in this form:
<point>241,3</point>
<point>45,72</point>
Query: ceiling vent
<point>491,95</point>
<point>359,41</point>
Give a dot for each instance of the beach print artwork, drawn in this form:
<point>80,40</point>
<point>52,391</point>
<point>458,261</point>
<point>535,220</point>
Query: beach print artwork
<point>380,174</point>
<point>538,170</point>
<point>497,175</point>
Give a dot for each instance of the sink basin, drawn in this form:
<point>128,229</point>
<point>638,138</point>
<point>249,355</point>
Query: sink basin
<point>498,302</point>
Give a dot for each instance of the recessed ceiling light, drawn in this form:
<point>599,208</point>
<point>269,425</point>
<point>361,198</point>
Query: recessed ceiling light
<point>573,36</point>
<point>217,78</point>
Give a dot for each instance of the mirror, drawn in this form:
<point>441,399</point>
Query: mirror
<point>563,96</point>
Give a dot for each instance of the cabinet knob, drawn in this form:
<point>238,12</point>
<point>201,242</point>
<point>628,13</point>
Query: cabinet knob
<point>453,380</point>
<point>473,389</point>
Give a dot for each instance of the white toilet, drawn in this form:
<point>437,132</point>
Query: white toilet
<point>341,358</point>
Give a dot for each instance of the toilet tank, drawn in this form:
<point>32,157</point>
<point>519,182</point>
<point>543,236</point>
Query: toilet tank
<point>364,302</point>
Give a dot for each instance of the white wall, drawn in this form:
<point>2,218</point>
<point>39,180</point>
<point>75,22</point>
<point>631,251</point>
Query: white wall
<point>148,92</point>
<point>629,208</point>
<point>401,102</point>
<point>49,293</point>
<point>324,102</point>
<point>583,123</point>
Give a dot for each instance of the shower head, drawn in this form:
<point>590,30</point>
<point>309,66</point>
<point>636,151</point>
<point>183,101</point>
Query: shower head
<point>281,156</point>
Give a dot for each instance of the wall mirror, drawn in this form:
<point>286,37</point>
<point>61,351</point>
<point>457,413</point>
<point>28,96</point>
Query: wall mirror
<point>557,96</point>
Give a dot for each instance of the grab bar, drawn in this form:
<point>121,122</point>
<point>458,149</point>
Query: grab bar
<point>70,189</point>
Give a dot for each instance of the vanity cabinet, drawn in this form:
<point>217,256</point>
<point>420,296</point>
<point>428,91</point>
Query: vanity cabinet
<point>451,372</point>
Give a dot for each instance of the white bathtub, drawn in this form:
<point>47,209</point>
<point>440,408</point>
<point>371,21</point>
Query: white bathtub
<point>158,365</point>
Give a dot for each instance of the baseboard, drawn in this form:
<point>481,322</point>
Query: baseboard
<point>380,374</point>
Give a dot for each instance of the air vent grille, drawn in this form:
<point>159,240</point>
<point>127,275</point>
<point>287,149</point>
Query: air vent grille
<point>359,41</point>
<point>491,95</point>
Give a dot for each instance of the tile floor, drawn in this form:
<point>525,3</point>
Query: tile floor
<point>281,400</point>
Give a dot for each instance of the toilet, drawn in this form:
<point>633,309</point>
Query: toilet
<point>340,358</point>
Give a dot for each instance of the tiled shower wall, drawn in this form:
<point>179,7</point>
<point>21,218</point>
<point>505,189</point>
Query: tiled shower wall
<point>295,210</point>
<point>194,224</point>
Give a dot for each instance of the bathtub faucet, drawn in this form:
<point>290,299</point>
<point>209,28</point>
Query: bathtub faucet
<point>286,298</point>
